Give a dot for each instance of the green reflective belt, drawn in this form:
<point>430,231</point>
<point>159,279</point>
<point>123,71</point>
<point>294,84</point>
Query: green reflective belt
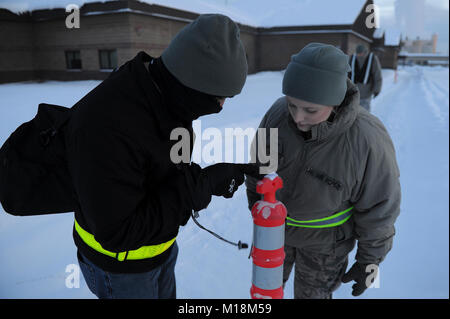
<point>142,253</point>
<point>331,221</point>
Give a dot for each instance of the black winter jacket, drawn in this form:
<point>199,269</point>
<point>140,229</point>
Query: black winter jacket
<point>130,193</point>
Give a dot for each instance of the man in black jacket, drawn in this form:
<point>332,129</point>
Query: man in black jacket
<point>366,74</point>
<point>132,196</point>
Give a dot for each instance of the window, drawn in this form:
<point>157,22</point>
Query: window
<point>108,59</point>
<point>73,60</point>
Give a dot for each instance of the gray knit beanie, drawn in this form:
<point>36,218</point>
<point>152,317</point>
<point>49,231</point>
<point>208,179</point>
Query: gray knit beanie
<point>208,56</point>
<point>361,48</point>
<point>317,74</point>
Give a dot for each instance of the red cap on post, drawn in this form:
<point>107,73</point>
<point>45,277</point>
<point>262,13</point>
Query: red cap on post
<point>268,187</point>
<point>269,212</point>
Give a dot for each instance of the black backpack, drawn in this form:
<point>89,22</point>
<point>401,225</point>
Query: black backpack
<point>34,179</point>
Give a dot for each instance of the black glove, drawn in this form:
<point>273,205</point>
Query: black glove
<point>375,94</point>
<point>225,178</point>
<point>221,179</point>
<point>360,273</point>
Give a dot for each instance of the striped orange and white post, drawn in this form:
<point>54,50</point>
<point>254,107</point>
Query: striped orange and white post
<point>268,241</point>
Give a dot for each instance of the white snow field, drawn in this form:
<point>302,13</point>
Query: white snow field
<point>36,251</point>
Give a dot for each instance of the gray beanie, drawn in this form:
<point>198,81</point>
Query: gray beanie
<point>317,74</point>
<point>361,48</point>
<point>208,56</point>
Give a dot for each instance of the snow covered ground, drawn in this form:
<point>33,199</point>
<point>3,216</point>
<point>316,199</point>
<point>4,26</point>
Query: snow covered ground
<point>35,251</point>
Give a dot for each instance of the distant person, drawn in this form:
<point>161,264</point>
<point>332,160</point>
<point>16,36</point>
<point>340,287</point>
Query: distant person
<point>133,197</point>
<point>341,179</point>
<point>366,74</point>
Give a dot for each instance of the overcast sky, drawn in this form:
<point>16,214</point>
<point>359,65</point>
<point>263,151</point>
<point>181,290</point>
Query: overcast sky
<point>417,18</point>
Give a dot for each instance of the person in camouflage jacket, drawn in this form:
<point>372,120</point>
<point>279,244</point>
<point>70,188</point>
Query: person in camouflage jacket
<point>336,160</point>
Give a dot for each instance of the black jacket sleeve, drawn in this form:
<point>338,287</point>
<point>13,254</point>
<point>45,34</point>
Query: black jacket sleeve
<point>377,79</point>
<point>120,206</point>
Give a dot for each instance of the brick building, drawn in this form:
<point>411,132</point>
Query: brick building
<point>37,45</point>
<point>421,45</point>
<point>387,45</point>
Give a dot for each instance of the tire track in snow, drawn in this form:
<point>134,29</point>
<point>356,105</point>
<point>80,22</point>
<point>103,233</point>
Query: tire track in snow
<point>391,109</point>
<point>432,93</point>
<point>418,125</point>
<point>438,97</point>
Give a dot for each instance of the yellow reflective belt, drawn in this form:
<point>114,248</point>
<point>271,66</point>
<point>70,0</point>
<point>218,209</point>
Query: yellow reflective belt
<point>331,221</point>
<point>141,253</point>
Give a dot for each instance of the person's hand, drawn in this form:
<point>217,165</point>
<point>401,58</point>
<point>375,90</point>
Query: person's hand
<point>363,274</point>
<point>225,178</point>
<point>376,94</point>
<point>221,179</point>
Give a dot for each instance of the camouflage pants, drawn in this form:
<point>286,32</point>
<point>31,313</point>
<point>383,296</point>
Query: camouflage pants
<point>316,274</point>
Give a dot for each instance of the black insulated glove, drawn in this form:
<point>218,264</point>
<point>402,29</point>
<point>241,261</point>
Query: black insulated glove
<point>225,178</point>
<point>363,274</point>
<point>222,179</point>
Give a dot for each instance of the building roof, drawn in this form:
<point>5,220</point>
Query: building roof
<point>378,34</point>
<point>257,13</point>
<point>429,55</point>
<point>392,37</point>
<point>269,13</point>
